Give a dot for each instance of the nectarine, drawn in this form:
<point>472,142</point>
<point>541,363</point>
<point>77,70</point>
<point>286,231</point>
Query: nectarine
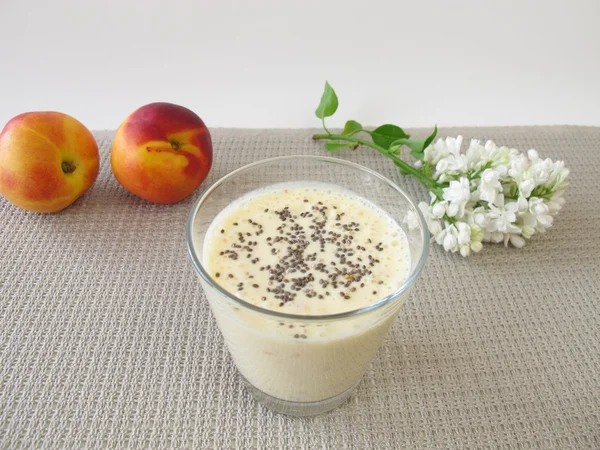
<point>162,152</point>
<point>47,161</point>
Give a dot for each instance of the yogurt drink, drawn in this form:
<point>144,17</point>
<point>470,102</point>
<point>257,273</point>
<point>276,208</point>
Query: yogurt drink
<point>309,250</point>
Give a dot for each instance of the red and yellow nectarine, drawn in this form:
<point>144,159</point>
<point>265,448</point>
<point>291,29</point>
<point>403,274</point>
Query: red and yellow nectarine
<point>162,152</point>
<point>47,161</point>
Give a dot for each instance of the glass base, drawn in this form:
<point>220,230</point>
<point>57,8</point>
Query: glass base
<point>298,409</point>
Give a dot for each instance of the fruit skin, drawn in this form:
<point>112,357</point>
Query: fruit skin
<point>47,161</point>
<point>162,152</point>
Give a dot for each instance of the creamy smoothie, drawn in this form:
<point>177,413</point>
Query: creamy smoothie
<point>307,249</point>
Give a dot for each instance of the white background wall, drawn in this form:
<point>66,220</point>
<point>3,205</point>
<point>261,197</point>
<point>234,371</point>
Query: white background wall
<point>263,63</point>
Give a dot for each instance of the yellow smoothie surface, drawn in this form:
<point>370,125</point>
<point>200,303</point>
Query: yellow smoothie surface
<point>306,248</point>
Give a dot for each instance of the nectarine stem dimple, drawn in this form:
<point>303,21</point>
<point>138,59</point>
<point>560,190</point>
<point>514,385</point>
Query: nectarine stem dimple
<point>175,145</point>
<point>68,167</point>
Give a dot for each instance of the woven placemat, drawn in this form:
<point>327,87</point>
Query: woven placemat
<point>106,340</point>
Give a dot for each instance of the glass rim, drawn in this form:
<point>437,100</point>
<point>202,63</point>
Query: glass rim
<point>199,266</point>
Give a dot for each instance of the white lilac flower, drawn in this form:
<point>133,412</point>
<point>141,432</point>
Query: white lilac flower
<point>434,225</point>
<point>447,156</point>
<point>555,203</point>
<point>524,177</point>
<point>490,185</point>
<point>490,194</point>
<point>439,209</point>
<point>503,217</point>
<point>460,237</point>
<point>527,185</point>
<point>441,149</point>
<point>448,238</point>
<point>533,155</point>
<point>464,238</point>
<point>517,165</point>
<point>476,246</point>
<point>500,157</point>
<point>558,175</point>
<point>475,156</point>
<point>527,230</point>
<point>464,233</point>
<point>476,237</point>
<point>457,194</point>
<point>540,213</point>
<point>522,204</point>
<point>451,166</point>
<point>479,216</point>
<point>540,170</point>
<point>514,239</point>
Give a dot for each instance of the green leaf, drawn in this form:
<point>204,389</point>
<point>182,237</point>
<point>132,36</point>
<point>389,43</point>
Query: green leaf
<point>430,138</point>
<point>386,134</point>
<point>329,103</point>
<point>417,146</point>
<point>418,155</point>
<point>335,146</point>
<point>351,127</point>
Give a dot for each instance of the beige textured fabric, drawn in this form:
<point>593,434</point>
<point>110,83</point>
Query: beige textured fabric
<point>106,340</point>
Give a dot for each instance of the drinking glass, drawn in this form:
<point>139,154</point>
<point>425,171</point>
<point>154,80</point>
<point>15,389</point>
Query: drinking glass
<point>304,376</point>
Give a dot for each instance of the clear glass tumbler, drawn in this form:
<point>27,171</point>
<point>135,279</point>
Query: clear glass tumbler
<point>293,376</point>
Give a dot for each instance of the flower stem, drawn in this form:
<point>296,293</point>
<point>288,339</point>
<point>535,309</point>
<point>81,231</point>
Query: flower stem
<point>429,183</point>
<point>324,127</point>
